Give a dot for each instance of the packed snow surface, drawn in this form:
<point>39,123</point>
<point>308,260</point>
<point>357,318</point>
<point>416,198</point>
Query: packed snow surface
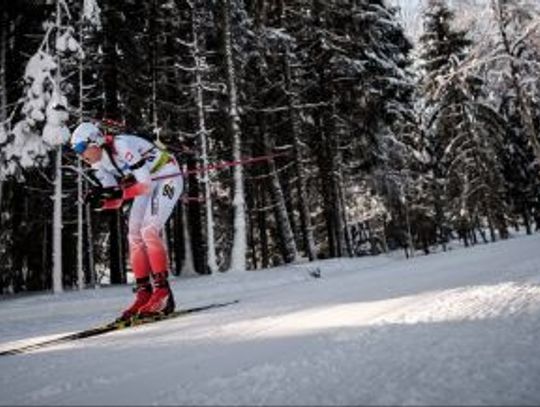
<point>461,327</point>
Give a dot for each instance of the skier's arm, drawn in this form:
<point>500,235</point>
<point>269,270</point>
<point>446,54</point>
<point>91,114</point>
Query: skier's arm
<point>105,178</point>
<point>136,164</point>
<point>136,189</point>
<point>107,195</point>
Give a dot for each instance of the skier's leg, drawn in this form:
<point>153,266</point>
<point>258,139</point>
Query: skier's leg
<point>137,250</point>
<point>163,200</point>
<point>138,257</point>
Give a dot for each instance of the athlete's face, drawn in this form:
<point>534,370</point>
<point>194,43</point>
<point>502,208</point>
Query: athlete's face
<point>92,154</point>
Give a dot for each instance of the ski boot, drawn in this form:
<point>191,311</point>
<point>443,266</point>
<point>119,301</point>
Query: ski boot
<point>143,294</point>
<point>162,300</point>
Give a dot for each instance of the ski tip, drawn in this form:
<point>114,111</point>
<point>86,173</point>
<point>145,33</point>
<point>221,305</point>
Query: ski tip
<point>118,324</point>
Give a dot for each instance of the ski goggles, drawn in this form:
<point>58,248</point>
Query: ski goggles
<point>80,147</point>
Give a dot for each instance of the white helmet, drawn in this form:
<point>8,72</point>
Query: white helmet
<point>86,133</point>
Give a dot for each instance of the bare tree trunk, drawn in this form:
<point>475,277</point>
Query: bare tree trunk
<point>263,225</point>
<point>203,140</point>
<point>45,254</point>
<point>336,174</point>
<point>80,182</point>
<point>80,233</point>
<point>84,212</point>
<point>112,111</point>
<point>116,249</point>
<point>189,265</point>
<point>57,215</point>
<point>90,247</point>
<point>440,218</point>
<point>239,249</point>
<point>527,221</point>
<point>305,215</point>
<point>3,51</point>
<point>194,216</point>
<point>110,57</point>
<point>251,202</point>
<point>343,214</point>
<point>153,57</point>
<point>57,225</point>
<point>178,238</point>
<point>326,185</point>
<point>282,217</point>
<point>410,240</point>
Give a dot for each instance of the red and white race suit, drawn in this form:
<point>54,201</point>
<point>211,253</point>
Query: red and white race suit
<point>153,201</point>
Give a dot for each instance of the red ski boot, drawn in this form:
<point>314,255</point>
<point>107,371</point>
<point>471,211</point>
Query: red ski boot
<point>162,300</point>
<point>143,293</point>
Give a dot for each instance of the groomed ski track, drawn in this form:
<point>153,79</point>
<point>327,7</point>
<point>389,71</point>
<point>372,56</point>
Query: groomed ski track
<point>460,327</point>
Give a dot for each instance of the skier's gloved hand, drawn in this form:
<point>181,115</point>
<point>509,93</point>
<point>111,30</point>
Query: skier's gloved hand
<point>128,181</point>
<point>92,197</point>
<point>111,198</point>
<point>96,197</point>
<point>111,193</point>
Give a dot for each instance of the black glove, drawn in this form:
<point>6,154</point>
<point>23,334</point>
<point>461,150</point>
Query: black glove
<point>96,196</point>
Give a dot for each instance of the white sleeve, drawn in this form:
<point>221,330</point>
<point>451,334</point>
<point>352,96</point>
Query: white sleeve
<point>134,159</point>
<point>105,178</point>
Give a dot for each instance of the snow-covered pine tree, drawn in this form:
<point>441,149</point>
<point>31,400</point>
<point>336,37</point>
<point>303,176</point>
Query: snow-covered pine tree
<point>43,116</point>
<point>331,57</point>
<point>311,25</point>
<point>519,33</point>
<point>265,101</point>
<point>512,69</point>
<point>476,187</point>
<point>394,148</point>
<point>441,50</point>
<point>463,134</point>
<point>285,21</point>
<point>293,107</point>
<point>16,272</point>
<point>354,55</point>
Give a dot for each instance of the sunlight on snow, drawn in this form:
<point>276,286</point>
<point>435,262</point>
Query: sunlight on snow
<point>462,304</point>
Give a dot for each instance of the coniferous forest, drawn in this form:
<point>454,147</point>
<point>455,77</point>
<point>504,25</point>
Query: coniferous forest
<point>306,129</point>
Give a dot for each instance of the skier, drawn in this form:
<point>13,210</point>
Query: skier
<point>124,165</point>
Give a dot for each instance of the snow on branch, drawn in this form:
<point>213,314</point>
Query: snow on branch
<point>303,106</point>
<point>43,108</point>
<point>530,29</point>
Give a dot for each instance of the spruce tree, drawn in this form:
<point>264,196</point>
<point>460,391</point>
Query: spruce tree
<point>441,50</point>
<point>513,79</point>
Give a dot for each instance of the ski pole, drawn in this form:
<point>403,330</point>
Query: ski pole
<point>81,173</point>
<point>211,167</point>
<point>219,166</point>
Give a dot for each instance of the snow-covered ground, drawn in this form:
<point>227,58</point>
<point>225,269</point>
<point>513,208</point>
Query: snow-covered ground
<point>461,327</point>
